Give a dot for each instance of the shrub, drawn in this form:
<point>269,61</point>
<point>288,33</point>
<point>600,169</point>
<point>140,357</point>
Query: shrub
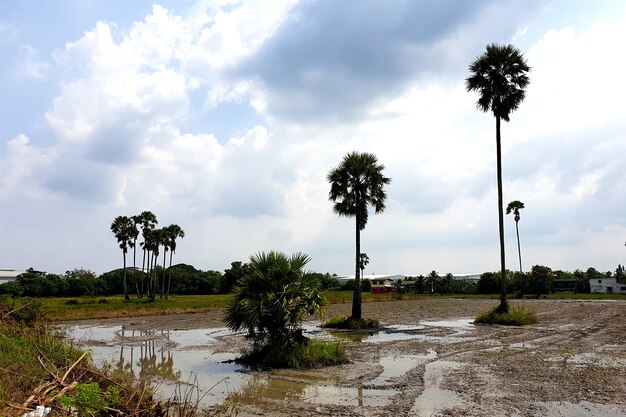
<point>349,323</point>
<point>516,316</point>
<point>310,354</point>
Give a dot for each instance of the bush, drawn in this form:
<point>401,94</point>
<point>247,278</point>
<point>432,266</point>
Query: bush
<point>516,316</point>
<point>348,323</point>
<point>310,354</point>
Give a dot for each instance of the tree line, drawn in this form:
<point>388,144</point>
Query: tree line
<point>185,280</point>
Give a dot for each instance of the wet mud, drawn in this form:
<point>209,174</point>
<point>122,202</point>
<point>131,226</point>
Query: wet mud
<point>430,360</point>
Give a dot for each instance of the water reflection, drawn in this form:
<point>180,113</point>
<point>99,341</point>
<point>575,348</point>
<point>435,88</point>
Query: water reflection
<point>164,358</point>
<point>144,355</point>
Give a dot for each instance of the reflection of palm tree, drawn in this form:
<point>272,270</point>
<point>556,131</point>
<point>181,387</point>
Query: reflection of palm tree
<point>499,76</point>
<point>515,207</point>
<point>355,184</point>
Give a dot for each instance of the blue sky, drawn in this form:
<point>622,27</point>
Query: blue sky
<point>225,117</point>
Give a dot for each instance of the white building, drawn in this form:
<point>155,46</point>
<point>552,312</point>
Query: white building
<point>606,286</point>
<point>7,275</point>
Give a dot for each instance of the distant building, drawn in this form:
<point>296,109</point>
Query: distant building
<point>606,286</point>
<point>8,275</point>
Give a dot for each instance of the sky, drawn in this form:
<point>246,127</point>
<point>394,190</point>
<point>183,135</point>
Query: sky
<point>225,117</point>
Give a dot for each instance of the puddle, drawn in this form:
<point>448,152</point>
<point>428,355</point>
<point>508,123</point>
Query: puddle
<point>396,366</point>
<point>582,359</point>
<point>167,359</point>
<point>446,332</point>
<point>262,388</point>
<point>523,345</point>
<point>434,398</point>
<point>164,358</point>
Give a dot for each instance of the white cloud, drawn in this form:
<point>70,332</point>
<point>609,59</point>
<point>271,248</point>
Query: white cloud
<point>29,65</point>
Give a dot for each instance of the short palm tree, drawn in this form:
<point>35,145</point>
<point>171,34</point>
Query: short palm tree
<point>122,227</point>
<point>271,300</point>
<point>355,184</point>
<point>515,207</point>
<point>364,261</point>
<point>500,77</point>
<point>173,232</point>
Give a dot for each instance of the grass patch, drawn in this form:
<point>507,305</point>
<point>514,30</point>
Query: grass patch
<point>311,354</point>
<point>516,316</point>
<point>348,323</point>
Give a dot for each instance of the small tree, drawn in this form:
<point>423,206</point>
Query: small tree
<point>271,300</point>
<point>540,280</point>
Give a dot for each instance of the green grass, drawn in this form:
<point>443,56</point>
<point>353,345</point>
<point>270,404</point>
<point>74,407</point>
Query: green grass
<point>311,354</point>
<point>79,308</point>
<point>516,316</point>
<point>348,323</point>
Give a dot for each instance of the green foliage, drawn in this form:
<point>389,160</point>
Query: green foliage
<point>539,280</point>
<point>309,354</point>
<point>24,311</point>
<point>271,300</point>
<point>348,323</point>
<point>90,400</point>
<point>516,316</point>
<point>232,276</point>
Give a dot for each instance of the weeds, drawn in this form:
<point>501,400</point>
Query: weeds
<point>516,316</point>
<point>348,323</point>
<point>310,354</point>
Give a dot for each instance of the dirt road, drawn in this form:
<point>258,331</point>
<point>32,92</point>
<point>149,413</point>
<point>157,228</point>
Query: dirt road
<point>432,361</point>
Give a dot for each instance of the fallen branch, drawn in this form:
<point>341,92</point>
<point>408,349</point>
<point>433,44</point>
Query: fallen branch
<point>72,367</point>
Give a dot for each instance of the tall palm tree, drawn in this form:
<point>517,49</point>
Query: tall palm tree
<point>499,75</point>
<point>355,184</point>
<point>515,206</point>
<point>173,232</point>
<point>135,234</point>
<point>122,228</point>
<point>148,222</point>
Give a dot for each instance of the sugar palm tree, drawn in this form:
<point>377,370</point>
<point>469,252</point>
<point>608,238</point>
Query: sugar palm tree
<point>514,207</point>
<point>148,222</point>
<point>500,77</point>
<point>135,234</point>
<point>364,261</point>
<point>122,228</point>
<point>271,300</point>
<point>355,184</point>
<point>173,232</point>
<point>433,280</point>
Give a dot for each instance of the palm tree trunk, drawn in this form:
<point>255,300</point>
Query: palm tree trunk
<point>135,267</point>
<point>169,276</point>
<point>356,298</point>
<point>126,297</point>
<point>163,277</point>
<point>519,249</point>
<point>143,272</point>
<point>503,304</point>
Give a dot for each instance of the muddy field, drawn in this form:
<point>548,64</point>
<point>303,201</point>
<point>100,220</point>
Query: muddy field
<point>431,361</point>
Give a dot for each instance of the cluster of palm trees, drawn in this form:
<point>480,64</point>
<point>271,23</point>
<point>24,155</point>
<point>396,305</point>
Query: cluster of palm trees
<point>155,241</point>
